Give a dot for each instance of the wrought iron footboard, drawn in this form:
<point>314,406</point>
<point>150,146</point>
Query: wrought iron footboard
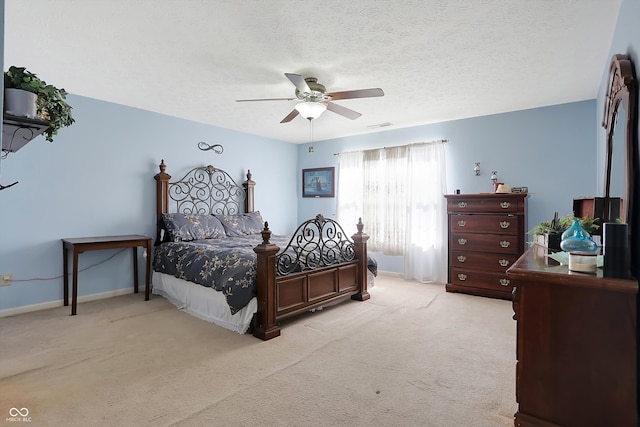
<point>316,243</point>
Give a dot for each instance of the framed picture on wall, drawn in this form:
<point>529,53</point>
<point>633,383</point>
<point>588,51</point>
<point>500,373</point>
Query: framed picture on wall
<point>318,182</point>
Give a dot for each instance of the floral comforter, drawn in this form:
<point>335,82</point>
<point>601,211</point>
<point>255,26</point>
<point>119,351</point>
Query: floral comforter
<point>228,264</point>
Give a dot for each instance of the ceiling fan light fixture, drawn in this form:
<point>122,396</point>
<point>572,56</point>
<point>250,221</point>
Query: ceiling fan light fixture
<point>311,110</point>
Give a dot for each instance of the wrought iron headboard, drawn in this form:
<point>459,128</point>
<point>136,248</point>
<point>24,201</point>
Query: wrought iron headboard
<point>206,190</point>
<point>203,189</point>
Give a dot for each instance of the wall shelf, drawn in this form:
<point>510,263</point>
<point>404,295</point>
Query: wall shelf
<point>18,131</point>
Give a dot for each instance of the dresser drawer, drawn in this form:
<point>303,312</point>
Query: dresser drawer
<point>493,203</point>
<point>480,279</point>
<point>503,244</point>
<point>482,261</point>
<point>499,224</point>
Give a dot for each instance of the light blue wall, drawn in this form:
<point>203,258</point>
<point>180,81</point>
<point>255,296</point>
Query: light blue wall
<point>96,178</point>
<point>550,150</point>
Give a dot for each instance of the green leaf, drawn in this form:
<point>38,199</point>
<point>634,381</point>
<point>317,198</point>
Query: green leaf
<point>51,100</point>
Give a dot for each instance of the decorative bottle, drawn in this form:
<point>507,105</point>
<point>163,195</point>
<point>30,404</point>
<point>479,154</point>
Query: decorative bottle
<point>577,239</point>
<point>583,251</point>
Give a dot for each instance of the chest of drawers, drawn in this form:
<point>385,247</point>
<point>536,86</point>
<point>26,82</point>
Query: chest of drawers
<point>486,235</point>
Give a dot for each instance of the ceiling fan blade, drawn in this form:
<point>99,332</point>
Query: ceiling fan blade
<point>360,93</point>
<point>265,99</point>
<point>343,111</point>
<point>292,115</point>
<point>298,82</point>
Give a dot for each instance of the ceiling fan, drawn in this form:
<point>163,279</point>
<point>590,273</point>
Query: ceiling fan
<point>315,99</point>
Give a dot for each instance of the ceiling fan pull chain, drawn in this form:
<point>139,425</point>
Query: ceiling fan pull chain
<point>311,135</point>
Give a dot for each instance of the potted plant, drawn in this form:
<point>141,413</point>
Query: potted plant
<point>50,102</point>
<point>549,233</point>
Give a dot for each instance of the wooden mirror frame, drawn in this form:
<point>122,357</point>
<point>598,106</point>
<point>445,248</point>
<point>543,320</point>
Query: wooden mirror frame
<point>622,90</point>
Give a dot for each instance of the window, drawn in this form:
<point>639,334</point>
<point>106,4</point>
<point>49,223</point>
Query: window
<point>399,193</point>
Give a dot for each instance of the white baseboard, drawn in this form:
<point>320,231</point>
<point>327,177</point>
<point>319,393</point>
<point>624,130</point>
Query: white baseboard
<point>390,273</point>
<point>59,303</point>
<point>118,292</point>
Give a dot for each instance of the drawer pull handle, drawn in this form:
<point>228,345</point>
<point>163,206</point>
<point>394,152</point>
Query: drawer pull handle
<point>505,282</point>
<point>505,243</point>
<point>504,224</point>
<point>505,205</point>
<point>462,241</point>
<point>503,262</point>
<point>462,277</point>
<point>462,258</point>
<point>462,223</point>
<point>462,204</point>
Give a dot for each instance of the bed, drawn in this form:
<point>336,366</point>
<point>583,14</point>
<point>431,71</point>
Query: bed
<point>216,258</point>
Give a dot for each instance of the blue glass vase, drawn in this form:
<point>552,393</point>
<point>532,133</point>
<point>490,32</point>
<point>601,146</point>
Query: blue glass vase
<point>576,239</point>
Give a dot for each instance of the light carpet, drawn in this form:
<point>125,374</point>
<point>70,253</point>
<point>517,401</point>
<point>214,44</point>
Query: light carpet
<point>412,355</point>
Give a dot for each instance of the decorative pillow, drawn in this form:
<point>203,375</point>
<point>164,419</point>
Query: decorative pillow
<point>187,227</point>
<point>243,224</point>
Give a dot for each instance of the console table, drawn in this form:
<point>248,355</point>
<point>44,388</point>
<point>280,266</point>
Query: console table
<point>83,244</point>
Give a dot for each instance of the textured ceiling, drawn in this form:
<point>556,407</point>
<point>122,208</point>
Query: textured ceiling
<point>436,60</point>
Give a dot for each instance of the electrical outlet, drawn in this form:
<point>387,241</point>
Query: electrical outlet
<point>6,279</point>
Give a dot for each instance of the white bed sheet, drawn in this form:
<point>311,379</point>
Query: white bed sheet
<point>208,304</point>
<point>203,302</point>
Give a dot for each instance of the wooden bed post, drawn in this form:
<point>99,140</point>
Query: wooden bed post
<point>360,240</point>
<point>265,326</point>
<point>162,196</point>
<point>248,190</point>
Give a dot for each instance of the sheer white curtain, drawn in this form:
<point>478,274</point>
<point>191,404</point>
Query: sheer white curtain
<point>349,191</point>
<point>425,251</point>
<point>385,199</point>
<point>399,193</point>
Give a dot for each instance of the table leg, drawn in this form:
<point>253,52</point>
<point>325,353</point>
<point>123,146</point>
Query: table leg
<point>135,269</point>
<point>147,283</point>
<point>65,275</point>
<point>74,296</point>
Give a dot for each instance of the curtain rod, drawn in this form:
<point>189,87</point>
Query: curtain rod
<point>407,145</point>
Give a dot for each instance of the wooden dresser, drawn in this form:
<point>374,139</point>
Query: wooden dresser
<point>486,236</point>
<point>576,345</point>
